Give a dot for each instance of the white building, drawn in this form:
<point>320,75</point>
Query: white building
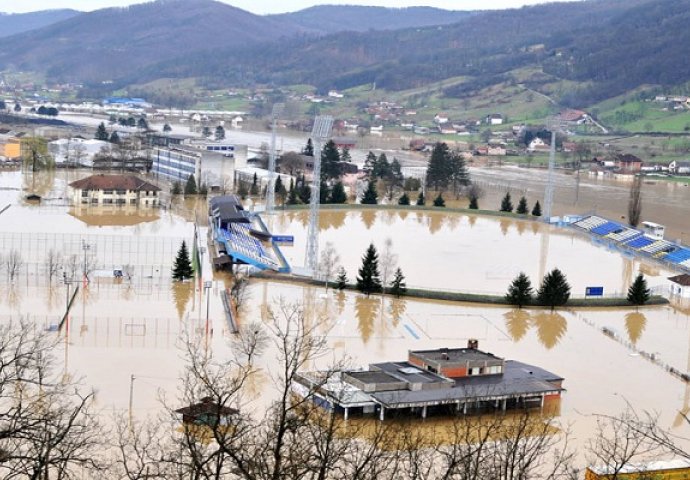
<point>118,190</point>
<point>75,151</point>
<point>680,285</point>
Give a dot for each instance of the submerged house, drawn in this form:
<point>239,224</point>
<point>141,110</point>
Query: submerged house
<point>118,190</point>
<point>444,380</point>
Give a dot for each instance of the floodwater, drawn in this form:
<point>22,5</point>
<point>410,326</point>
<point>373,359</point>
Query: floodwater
<point>136,326</point>
<point>469,253</point>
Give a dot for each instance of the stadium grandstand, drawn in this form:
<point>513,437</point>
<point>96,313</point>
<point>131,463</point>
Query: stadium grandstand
<point>241,237</point>
<point>636,241</point>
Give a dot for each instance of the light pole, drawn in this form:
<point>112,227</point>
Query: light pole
<point>86,247</point>
<point>207,287</point>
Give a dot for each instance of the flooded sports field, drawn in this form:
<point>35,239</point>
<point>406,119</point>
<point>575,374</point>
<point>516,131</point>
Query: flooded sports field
<point>136,326</point>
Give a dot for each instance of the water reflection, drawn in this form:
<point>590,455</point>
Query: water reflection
<point>505,225</point>
<point>397,310</point>
<point>366,310</point>
<point>436,222</point>
<point>368,218</point>
<point>517,323</point>
<point>550,326</point>
<point>335,219</point>
<point>182,293</point>
<point>340,301</point>
<point>635,323</point>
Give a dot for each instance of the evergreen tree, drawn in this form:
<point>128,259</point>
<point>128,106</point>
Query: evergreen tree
<point>167,128</point>
<point>341,279</point>
<point>404,199</point>
<point>520,291</point>
<point>554,289</point>
<point>131,122</point>
<point>370,196</point>
<point>278,186</point>
<point>102,133</point>
<point>522,206</point>
<point>254,189</point>
<point>507,203</point>
<point>182,267</point>
<point>398,285</point>
<point>474,202</point>
<point>114,138</point>
<point>536,211</point>
<point>17,107</point>
<point>421,201</point>
<point>324,192</point>
<point>309,149</point>
<point>206,132</point>
<point>638,293</point>
<point>292,195</point>
<point>439,201</point>
<point>304,191</point>
<point>142,124</point>
<point>176,188</point>
<point>338,194</point>
<point>330,161</point>
<point>440,169</point>
<point>369,165</point>
<point>381,168</point>
<point>345,156</point>
<point>220,133</point>
<point>190,186</point>
<point>368,279</point>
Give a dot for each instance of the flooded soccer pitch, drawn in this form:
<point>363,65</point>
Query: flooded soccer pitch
<point>136,327</point>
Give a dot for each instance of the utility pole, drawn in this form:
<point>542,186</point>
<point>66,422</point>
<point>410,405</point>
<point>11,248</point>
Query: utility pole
<point>131,397</point>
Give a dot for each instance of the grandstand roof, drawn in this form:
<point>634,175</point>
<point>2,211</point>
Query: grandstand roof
<point>114,182</point>
<point>683,280</point>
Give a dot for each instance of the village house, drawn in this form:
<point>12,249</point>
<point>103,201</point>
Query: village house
<point>680,285</point>
<point>496,150</point>
<point>574,117</point>
<point>494,119</point>
<point>626,163</point>
<point>445,129</point>
<point>119,190</point>
<point>538,145</point>
<point>441,118</point>
<point>679,168</point>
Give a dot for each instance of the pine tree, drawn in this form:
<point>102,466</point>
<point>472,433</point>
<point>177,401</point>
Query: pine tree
<point>102,133</point>
<point>554,289</point>
<point>114,138</point>
<point>166,128</point>
<point>368,278</point>
<point>182,268</point>
<point>536,211</point>
<point>404,199</point>
<point>474,203</point>
<point>190,186</point>
<point>506,203</point>
<point>370,196</point>
<point>278,186</point>
<point>324,192</point>
<point>439,201</point>
<point>522,206</point>
<point>398,285</point>
<point>176,188</point>
<point>309,148</point>
<point>421,201</point>
<point>220,133</point>
<point>520,291</point>
<point>304,191</point>
<point>341,279</point>
<point>330,161</point>
<point>292,194</point>
<point>638,293</point>
<point>440,168</point>
<point>338,194</point>
<point>369,165</point>
<point>254,189</point>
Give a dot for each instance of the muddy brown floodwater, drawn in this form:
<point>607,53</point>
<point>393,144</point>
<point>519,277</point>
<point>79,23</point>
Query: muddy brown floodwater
<point>136,326</point>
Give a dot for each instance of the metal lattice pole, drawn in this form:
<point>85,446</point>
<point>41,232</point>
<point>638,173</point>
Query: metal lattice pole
<point>271,188</point>
<point>320,132</point>
<point>555,126</point>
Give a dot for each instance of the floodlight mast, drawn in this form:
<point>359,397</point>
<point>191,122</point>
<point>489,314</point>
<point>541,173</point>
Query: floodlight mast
<point>271,188</point>
<point>555,127</point>
<point>320,132</point>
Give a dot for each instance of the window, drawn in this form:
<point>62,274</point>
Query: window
<point>107,201</point>
<point>121,192</point>
<point>133,201</point>
<point>84,193</point>
<point>107,192</point>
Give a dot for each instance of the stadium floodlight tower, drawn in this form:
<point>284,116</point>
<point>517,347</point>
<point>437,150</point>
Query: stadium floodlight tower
<point>271,188</point>
<point>320,132</point>
<point>555,126</point>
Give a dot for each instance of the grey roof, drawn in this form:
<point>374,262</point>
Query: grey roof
<point>518,379</point>
<point>408,372</point>
<point>373,377</point>
<point>455,355</point>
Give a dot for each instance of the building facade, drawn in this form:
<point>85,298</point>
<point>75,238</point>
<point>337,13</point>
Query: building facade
<point>115,190</point>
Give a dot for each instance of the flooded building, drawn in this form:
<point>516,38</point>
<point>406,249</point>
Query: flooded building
<point>444,379</point>
<point>114,190</point>
<point>678,469</point>
<point>680,285</point>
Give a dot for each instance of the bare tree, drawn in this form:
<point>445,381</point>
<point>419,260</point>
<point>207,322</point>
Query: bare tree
<point>328,263</point>
<point>635,202</point>
<point>239,291</point>
<point>78,153</point>
<point>53,264</point>
<point>387,262</point>
<point>13,264</point>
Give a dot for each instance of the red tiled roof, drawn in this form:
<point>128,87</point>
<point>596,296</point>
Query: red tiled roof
<point>114,182</point>
<point>572,115</point>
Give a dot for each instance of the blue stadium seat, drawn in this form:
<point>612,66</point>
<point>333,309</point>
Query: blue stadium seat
<point>640,242</point>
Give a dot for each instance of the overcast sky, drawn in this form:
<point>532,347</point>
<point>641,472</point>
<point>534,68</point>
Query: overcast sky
<point>267,6</point>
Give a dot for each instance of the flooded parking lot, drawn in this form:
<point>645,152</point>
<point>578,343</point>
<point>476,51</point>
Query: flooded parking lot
<point>136,326</point>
